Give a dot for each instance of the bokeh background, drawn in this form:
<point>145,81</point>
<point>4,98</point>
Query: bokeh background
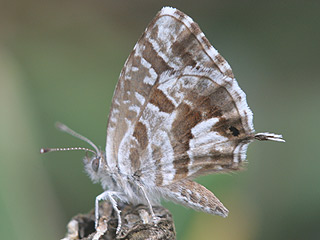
<point>60,60</point>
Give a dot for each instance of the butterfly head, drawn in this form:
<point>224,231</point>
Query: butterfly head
<point>96,166</point>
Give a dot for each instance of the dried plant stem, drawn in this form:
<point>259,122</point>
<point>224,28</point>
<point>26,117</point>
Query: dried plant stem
<point>137,224</point>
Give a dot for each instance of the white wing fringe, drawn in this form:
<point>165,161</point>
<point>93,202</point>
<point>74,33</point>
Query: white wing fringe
<point>269,136</point>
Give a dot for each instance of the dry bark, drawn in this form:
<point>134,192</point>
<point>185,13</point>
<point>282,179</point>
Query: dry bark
<point>136,224</point>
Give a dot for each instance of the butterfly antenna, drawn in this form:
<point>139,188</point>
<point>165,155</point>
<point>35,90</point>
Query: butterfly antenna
<point>45,150</point>
<point>66,129</point>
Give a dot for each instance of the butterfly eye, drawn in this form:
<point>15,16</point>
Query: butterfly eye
<point>95,164</point>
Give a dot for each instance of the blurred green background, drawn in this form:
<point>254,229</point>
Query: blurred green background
<point>60,60</point>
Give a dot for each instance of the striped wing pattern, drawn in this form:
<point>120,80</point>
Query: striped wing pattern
<point>177,110</point>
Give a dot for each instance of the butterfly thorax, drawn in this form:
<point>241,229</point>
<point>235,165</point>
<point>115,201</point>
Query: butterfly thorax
<point>111,178</point>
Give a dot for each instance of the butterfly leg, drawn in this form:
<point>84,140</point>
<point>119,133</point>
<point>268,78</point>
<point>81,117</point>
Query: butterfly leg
<point>148,201</point>
<point>108,195</point>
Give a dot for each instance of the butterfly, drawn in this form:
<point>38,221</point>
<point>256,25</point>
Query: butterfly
<point>177,113</point>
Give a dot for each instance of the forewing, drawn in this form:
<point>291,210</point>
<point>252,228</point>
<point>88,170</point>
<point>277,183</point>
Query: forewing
<point>175,106</point>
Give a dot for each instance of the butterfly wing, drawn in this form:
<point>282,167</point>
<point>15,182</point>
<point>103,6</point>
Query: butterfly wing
<point>177,110</point>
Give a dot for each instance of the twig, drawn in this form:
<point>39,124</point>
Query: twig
<point>137,224</point>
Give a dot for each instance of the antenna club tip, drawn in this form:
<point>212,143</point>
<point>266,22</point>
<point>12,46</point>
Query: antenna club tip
<point>44,150</point>
<point>61,126</point>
